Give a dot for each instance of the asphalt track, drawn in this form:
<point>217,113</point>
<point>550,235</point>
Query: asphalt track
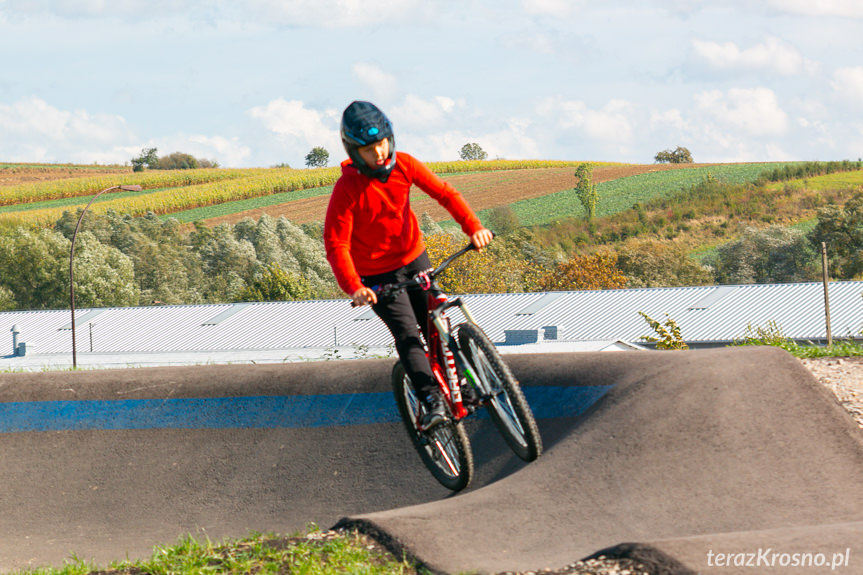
<point>732,460</point>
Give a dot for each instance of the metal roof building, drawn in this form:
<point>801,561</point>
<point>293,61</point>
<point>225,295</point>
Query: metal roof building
<point>305,330</point>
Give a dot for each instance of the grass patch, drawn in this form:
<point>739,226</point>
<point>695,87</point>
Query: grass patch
<point>312,553</point>
<point>772,335</point>
<point>229,208</point>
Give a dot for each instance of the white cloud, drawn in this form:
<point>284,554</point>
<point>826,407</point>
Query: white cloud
<point>773,55</point>
<point>292,119</point>
<point>557,8</point>
<point>510,142</point>
<point>76,9</point>
<point>334,13</point>
<point>228,152</point>
<point>415,113</point>
<point>848,82</point>
<point>752,111</point>
<point>379,83</point>
<point>293,13</point>
<point>611,124</point>
<point>539,42</point>
<point>52,134</point>
<point>298,129</point>
<point>843,8</point>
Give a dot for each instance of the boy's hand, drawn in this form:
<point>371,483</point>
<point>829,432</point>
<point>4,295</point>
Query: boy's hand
<point>481,239</point>
<point>364,296</point>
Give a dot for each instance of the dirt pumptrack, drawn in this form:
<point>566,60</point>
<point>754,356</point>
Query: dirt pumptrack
<point>733,460</point>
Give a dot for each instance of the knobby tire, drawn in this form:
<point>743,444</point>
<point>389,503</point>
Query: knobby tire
<point>445,449</point>
<point>506,405</point>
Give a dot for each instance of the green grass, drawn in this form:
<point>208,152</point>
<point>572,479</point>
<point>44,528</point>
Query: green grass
<point>618,195</point>
<point>771,334</point>
<point>312,553</point>
<point>228,208</point>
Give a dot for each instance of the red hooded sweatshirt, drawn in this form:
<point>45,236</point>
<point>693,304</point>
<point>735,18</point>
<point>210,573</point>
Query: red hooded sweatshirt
<point>370,228</point>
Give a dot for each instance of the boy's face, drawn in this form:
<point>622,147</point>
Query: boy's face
<point>376,153</point>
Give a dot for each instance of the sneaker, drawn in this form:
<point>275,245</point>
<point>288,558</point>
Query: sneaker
<point>435,410</point>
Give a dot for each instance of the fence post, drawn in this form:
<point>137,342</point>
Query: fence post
<point>824,275</point>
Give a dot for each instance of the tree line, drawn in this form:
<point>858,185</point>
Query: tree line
<point>127,261</point>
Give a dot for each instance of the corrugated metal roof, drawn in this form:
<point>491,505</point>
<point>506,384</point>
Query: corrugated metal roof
<point>704,315</point>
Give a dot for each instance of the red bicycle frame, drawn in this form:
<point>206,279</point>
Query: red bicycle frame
<point>438,352</point>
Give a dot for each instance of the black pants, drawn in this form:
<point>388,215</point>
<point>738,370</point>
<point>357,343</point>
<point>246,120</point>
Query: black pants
<point>404,315</point>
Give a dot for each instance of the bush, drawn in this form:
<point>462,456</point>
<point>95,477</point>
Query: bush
<point>775,254</point>
<point>651,263</point>
<point>178,161</point>
<point>679,155</point>
<point>584,272</point>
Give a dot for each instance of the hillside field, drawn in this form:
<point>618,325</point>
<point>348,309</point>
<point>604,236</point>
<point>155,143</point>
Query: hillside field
<point>39,194</point>
<point>539,192</point>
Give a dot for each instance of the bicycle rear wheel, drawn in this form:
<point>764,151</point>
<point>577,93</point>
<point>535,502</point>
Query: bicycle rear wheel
<point>445,449</point>
<point>505,400</point>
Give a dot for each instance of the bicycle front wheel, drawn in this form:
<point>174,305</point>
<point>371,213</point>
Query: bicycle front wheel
<point>445,449</point>
<point>505,400</point>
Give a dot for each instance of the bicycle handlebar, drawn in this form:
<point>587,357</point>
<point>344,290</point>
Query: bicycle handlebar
<point>423,280</point>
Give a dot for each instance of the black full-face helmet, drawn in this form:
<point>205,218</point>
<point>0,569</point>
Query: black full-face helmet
<point>362,124</point>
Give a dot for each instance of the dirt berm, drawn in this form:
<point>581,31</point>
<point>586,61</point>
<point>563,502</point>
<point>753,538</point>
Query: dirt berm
<point>697,461</point>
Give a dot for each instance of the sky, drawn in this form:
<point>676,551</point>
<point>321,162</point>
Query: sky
<point>257,83</point>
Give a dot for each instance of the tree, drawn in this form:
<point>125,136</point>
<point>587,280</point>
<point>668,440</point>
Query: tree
<point>775,254</point>
<point>35,266</point>
<point>319,157</point>
<point>584,272</point>
<point>178,161</point>
<point>679,155</point>
<point>149,158</point>
<point>497,269</point>
<point>228,263</point>
<point>651,263</point>
<point>472,151</point>
<point>503,220</point>
<point>272,283</point>
<point>841,228</point>
<point>104,276</point>
<point>167,265</point>
<point>586,190</point>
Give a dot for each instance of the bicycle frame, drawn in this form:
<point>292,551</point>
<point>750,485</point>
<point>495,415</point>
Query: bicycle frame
<point>444,354</point>
<point>442,351</point>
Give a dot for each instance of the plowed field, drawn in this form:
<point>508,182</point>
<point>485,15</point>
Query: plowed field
<point>13,174</point>
<point>482,190</point>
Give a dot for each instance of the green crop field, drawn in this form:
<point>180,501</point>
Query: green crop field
<point>621,194</point>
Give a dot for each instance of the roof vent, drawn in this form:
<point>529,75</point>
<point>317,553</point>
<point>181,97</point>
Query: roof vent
<point>540,303</point>
<point>520,336</point>
<point>235,308</point>
<point>552,332</point>
<point>712,298</point>
<point>83,319</point>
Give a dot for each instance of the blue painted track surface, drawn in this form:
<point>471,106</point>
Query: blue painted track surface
<point>261,412</point>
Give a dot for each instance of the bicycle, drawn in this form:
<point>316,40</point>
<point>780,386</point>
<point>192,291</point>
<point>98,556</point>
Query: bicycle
<point>460,356</point>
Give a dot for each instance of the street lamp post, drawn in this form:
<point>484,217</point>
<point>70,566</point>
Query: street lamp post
<point>72,262</point>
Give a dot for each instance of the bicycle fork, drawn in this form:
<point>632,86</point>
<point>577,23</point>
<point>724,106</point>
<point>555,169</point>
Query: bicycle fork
<point>453,361</point>
<point>459,360</point>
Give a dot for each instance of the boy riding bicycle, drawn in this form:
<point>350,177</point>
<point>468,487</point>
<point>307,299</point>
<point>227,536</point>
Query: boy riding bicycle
<point>372,236</point>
